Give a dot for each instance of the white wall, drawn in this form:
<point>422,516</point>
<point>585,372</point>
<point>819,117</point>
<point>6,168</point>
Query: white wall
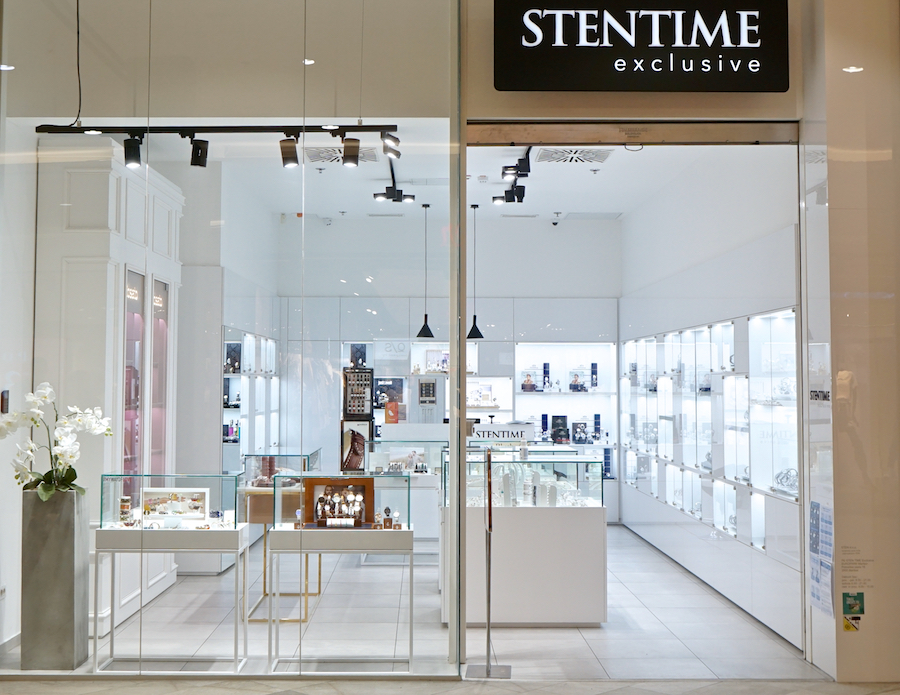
<point>715,243</point>
<point>17,192</point>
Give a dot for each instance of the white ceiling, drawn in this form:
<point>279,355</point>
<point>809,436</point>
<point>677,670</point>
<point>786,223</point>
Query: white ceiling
<point>617,186</point>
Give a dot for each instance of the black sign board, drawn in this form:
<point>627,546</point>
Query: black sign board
<point>641,45</point>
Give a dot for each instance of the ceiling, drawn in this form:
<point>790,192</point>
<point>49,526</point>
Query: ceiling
<point>565,183</point>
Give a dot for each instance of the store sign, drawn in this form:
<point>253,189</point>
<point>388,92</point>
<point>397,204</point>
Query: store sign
<point>641,45</point>
<point>503,431</point>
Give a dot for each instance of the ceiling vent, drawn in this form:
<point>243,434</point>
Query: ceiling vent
<point>573,155</point>
<point>519,217</point>
<point>816,157</point>
<point>335,155</point>
<point>385,214</point>
<point>576,216</point>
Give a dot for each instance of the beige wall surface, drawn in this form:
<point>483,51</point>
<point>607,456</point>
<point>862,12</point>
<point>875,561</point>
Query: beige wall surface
<point>230,58</point>
<point>486,103</point>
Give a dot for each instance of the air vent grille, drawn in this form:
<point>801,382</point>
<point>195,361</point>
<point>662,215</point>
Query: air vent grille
<point>573,155</point>
<point>335,155</point>
<point>816,157</point>
<point>385,214</point>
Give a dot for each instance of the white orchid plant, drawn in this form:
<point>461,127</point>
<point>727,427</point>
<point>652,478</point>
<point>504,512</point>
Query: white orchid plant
<point>62,441</point>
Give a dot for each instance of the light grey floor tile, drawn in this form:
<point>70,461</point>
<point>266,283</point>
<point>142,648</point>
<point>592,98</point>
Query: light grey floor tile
<point>737,630</point>
<point>683,601</point>
<point>656,668</point>
<point>763,648</point>
<point>720,615</point>
<point>640,649</point>
<point>514,649</point>
<point>557,669</point>
<point>764,668</point>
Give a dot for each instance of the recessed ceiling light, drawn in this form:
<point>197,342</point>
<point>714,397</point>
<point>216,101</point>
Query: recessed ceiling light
<point>308,61</point>
<point>852,68</point>
<point>4,66</point>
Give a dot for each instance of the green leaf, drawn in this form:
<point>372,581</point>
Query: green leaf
<point>77,488</point>
<point>70,476</point>
<point>31,484</point>
<point>45,492</point>
<point>48,478</point>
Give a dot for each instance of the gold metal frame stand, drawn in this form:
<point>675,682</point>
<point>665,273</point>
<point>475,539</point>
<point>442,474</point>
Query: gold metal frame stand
<point>306,593</point>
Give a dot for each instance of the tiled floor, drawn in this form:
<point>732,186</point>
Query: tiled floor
<point>663,624</point>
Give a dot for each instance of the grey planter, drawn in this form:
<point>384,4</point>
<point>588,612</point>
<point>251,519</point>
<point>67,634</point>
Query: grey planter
<point>55,571</point>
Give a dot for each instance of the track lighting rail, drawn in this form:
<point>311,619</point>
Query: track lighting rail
<point>190,131</point>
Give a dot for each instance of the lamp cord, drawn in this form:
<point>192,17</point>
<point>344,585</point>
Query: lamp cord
<point>426,260</point>
<point>78,57</point>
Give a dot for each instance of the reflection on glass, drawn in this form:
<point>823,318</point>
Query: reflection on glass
<point>159,377</point>
<point>132,435</point>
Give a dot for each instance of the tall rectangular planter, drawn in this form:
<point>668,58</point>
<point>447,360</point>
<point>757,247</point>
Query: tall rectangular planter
<point>55,578</point>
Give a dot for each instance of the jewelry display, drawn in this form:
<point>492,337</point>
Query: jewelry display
<point>788,479</point>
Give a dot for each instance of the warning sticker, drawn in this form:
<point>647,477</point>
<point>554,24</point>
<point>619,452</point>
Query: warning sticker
<point>851,623</point>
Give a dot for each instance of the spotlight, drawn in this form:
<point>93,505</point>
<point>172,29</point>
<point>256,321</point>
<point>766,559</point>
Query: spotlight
<point>309,61</point>
<point>351,152</point>
<point>498,199</point>
<point>289,153</point>
<point>93,131</point>
<point>390,151</point>
<point>509,173</point>
<point>519,192</point>
<point>509,196</point>
<point>390,139</point>
<point>199,150</point>
<point>409,198</point>
<point>5,68</point>
<point>398,195</point>
<point>380,197</point>
<point>523,167</point>
<point>329,127</point>
<point>133,153</point>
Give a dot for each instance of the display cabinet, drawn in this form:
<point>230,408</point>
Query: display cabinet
<point>404,456</point>
<point>309,501</point>
<point>169,502</point>
<point>712,436</point>
<point>556,481</point>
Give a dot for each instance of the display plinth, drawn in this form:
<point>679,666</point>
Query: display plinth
<point>533,549</point>
<point>55,580</point>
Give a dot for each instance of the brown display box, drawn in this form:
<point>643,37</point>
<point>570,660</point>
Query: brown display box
<point>312,486</point>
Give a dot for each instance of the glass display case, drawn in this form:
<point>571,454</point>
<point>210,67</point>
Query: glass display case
<point>725,443</point>
<point>773,404</point>
<point>261,469</point>
<point>552,482</point>
<point>183,502</point>
<point>316,501</point>
<point>396,456</point>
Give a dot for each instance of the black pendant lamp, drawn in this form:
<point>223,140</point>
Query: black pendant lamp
<point>474,332</point>
<point>425,331</point>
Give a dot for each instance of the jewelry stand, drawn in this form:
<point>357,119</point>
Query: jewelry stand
<point>487,670</point>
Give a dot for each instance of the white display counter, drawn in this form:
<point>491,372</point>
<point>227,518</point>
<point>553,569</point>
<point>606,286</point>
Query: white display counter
<point>548,566</point>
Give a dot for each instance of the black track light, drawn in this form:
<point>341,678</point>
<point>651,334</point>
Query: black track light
<point>289,153</point>
<point>510,173</point>
<point>351,152</point>
<point>380,197</point>
<point>509,196</point>
<point>390,140</point>
<point>199,152</point>
<point>133,153</point>
<point>498,200</point>
<point>390,151</point>
<point>519,192</point>
<point>409,198</point>
<point>523,166</point>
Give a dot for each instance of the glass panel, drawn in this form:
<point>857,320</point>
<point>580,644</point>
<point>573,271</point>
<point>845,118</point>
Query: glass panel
<point>134,362</point>
<point>160,375</point>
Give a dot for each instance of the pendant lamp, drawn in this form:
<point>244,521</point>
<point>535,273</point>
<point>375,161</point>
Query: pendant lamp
<point>474,332</point>
<point>425,331</point>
